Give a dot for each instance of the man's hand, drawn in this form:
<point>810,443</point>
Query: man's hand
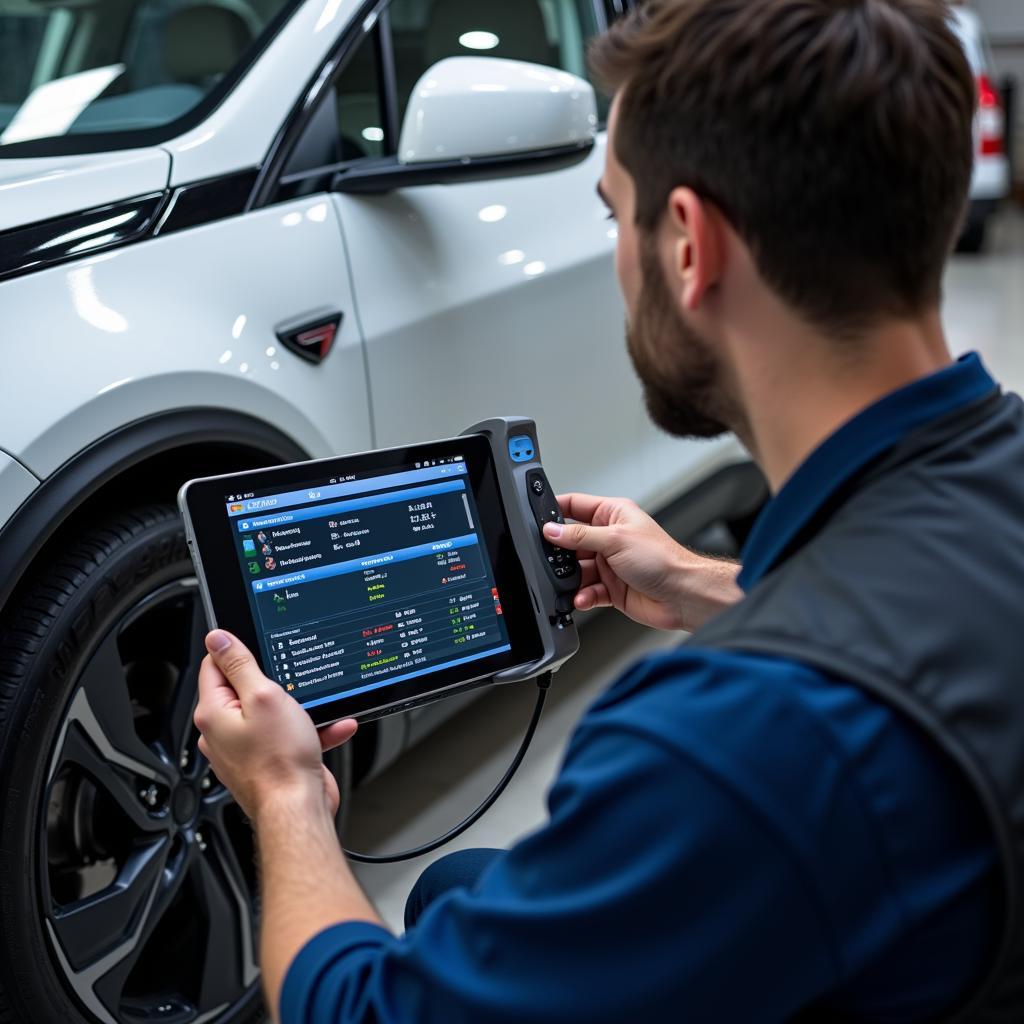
<point>630,563</point>
<point>266,750</point>
<point>260,742</point>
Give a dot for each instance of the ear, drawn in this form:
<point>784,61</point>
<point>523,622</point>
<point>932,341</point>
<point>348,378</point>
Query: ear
<point>697,248</point>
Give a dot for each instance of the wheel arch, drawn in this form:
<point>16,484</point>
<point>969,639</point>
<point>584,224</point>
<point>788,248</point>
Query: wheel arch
<point>145,459</point>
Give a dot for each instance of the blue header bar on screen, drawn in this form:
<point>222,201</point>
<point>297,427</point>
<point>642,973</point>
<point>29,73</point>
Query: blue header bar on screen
<point>287,499</point>
<point>339,508</point>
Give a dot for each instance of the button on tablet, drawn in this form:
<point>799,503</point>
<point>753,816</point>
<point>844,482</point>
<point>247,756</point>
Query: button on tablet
<point>521,448</point>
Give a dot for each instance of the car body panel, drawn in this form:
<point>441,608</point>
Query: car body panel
<point>16,484</point>
<point>967,24</point>
<point>173,323</point>
<point>454,284</point>
<point>39,188</point>
<point>991,177</point>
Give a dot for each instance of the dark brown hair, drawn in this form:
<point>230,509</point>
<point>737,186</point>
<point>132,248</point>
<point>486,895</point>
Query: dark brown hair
<point>835,136</point>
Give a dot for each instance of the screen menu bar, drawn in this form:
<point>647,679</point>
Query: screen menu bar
<point>249,506</point>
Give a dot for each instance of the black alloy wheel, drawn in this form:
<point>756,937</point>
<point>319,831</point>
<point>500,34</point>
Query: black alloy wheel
<point>136,897</point>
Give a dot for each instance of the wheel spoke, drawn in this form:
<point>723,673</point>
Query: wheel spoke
<point>102,707</point>
<point>121,785</point>
<point>92,927</point>
<point>215,802</point>
<point>97,938</point>
<point>110,983</point>
<point>178,725</point>
<point>222,864</point>
<point>224,953</point>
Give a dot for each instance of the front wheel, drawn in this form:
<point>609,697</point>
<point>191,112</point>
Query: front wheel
<point>127,880</point>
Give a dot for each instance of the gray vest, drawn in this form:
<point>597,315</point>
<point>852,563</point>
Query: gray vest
<point>910,584</point>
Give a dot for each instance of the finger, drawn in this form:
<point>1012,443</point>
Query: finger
<point>337,733</point>
<point>580,537</point>
<point>582,507</point>
<point>596,596</point>
<point>216,695</point>
<point>235,660</point>
<point>331,790</point>
<point>588,572</point>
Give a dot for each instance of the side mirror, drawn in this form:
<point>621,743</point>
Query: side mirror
<point>474,117</point>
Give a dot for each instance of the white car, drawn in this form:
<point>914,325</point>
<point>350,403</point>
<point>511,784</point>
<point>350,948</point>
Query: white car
<point>232,233</point>
<point>991,179</point>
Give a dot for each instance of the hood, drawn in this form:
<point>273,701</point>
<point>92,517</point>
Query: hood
<point>36,189</point>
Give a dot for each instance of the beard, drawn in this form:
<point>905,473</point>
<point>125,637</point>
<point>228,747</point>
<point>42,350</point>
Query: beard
<point>681,376</point>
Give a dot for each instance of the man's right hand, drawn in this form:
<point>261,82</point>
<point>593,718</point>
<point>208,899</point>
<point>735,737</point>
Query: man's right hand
<point>630,563</point>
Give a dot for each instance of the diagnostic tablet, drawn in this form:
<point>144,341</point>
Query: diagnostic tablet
<point>372,583</point>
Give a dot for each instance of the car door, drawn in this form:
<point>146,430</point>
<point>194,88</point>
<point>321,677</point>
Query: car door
<point>489,296</point>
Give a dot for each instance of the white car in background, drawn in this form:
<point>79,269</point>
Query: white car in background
<point>990,183</point>
<point>237,232</point>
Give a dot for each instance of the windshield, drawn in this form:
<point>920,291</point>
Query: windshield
<point>87,75</point>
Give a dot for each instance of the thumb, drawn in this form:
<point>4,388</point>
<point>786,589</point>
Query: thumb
<point>235,660</point>
<point>580,537</point>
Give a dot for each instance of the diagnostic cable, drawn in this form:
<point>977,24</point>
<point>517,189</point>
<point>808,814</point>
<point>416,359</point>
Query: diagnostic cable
<point>543,683</point>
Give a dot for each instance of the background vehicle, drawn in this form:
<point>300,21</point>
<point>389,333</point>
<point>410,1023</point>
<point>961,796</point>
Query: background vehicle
<point>991,181</point>
<point>213,256</point>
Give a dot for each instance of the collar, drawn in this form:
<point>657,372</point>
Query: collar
<point>841,455</point>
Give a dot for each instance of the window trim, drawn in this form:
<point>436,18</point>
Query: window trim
<point>375,177</point>
<point>389,80</point>
<point>271,175</point>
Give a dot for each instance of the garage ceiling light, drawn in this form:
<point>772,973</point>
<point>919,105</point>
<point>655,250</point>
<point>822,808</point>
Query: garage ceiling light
<point>479,40</point>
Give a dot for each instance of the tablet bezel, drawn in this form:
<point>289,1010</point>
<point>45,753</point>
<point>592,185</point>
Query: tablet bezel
<point>227,602</point>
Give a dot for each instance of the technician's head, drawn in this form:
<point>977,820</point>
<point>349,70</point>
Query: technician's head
<point>793,169</point>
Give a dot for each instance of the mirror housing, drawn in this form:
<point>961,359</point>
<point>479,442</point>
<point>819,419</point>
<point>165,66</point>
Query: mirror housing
<point>479,117</point>
<point>473,107</point>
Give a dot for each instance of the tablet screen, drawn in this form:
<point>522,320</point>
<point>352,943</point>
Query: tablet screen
<point>368,579</point>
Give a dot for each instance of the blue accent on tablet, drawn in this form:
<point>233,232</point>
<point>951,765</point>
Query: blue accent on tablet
<point>521,448</point>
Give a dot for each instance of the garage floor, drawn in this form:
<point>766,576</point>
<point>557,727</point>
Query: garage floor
<point>437,783</point>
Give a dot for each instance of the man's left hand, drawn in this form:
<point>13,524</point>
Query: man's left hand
<point>259,741</point>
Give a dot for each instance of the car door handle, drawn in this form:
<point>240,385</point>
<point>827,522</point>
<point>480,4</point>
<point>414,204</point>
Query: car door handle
<point>311,336</point>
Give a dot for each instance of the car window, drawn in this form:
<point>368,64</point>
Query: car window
<point>102,74</point>
<point>358,96</point>
<point>20,33</point>
<point>348,124</point>
<point>551,32</point>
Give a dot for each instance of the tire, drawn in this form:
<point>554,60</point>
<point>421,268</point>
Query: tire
<point>127,882</point>
<point>973,238</point>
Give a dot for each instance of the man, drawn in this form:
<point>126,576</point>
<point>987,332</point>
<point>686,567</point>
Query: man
<point>813,808</point>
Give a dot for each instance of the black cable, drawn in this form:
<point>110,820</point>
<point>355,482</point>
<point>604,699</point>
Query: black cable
<point>543,682</point>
